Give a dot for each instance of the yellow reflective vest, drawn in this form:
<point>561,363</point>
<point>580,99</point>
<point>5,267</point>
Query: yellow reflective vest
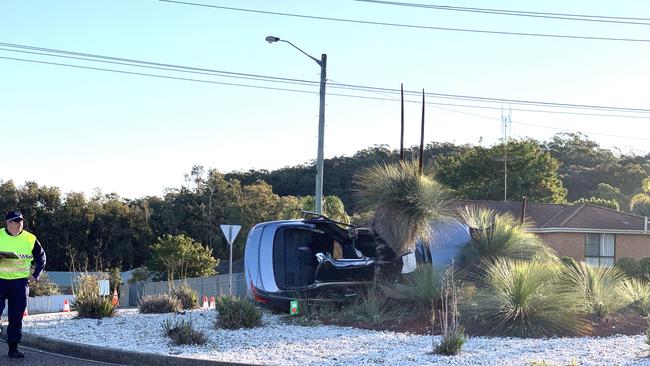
<point>21,244</point>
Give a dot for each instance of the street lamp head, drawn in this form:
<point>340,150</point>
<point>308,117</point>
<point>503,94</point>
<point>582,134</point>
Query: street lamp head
<point>272,39</point>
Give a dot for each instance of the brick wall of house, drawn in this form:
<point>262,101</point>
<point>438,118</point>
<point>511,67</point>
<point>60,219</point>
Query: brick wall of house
<point>566,244</point>
<point>633,246</point>
<point>573,245</point>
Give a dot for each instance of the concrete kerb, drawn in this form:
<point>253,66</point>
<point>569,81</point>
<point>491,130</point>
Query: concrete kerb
<point>112,355</point>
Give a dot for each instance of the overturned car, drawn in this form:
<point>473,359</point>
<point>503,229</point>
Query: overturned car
<point>315,258</point>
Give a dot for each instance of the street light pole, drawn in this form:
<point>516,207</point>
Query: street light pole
<point>318,201</point>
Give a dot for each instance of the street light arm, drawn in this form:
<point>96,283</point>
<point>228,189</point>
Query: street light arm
<point>303,52</point>
<point>318,201</point>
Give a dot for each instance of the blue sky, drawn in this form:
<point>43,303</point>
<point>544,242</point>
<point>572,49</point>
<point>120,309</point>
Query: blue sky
<point>136,135</point>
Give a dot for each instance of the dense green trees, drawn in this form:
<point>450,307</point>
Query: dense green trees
<point>102,231</point>
<point>567,168</point>
<point>106,231</point>
<point>478,173</point>
<point>178,256</point>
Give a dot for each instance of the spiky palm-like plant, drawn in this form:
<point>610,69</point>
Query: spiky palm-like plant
<point>636,292</point>
<point>500,236</point>
<point>600,288</point>
<point>526,299</point>
<point>404,203</point>
<point>421,287</point>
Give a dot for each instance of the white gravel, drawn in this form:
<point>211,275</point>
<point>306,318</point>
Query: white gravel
<point>278,343</point>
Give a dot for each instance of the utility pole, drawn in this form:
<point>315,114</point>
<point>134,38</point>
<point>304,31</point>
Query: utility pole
<point>318,201</point>
<point>507,123</point>
<point>401,138</point>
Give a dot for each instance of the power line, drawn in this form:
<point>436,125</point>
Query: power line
<point>265,78</point>
<point>387,24</point>
<point>157,76</point>
<point>177,69</point>
<point>149,63</point>
<point>559,16</point>
<point>302,91</point>
<point>502,100</point>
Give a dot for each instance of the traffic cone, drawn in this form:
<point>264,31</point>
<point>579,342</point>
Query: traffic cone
<point>25,313</point>
<point>115,299</point>
<point>66,306</point>
<point>205,302</point>
<point>212,303</point>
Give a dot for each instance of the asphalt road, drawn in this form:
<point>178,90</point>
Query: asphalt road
<point>39,358</point>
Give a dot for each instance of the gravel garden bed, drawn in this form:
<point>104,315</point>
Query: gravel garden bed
<point>279,342</point>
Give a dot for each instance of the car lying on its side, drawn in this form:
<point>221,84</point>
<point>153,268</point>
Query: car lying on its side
<point>313,258</point>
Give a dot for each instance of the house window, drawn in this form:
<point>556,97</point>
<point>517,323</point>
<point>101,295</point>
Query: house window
<point>599,249</point>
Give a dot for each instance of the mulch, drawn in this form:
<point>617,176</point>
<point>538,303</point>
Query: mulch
<point>623,324</point>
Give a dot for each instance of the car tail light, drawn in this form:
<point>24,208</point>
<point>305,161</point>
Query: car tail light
<point>257,296</point>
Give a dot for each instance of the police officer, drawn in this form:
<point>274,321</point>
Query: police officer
<point>15,274</point>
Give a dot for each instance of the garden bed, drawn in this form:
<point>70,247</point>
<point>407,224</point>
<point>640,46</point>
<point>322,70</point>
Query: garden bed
<point>279,342</point>
<point>617,324</point>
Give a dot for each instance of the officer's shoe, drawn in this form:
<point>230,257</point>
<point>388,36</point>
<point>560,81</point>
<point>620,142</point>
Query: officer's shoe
<point>14,352</point>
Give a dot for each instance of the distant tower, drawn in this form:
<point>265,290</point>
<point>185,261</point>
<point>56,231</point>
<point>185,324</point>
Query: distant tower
<point>507,130</point>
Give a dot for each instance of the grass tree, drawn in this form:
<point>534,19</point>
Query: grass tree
<point>405,203</point>
<point>526,299</point>
<point>500,236</point>
<point>636,293</point>
<point>601,288</point>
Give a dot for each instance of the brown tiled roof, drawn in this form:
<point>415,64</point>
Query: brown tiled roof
<point>551,215</point>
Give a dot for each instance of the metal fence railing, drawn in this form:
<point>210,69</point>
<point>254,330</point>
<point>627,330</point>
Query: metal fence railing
<point>204,286</point>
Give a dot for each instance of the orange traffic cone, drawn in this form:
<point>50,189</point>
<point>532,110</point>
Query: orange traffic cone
<point>205,302</point>
<point>115,299</point>
<point>25,313</point>
<point>66,306</point>
<point>212,304</point>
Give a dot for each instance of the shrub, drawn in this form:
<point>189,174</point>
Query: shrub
<point>420,287</point>
<point>87,302</point>
<point>637,294</point>
<point>629,266</point>
<point>86,285</point>
<point>95,307</point>
<point>182,332</point>
<point>140,274</point>
<point>159,304</point>
<point>371,306</point>
<point>453,334</point>
<point>526,299</point>
<point>114,279</point>
<point>600,288</point>
<point>188,297</point>
<point>451,344</point>
<point>43,287</point>
<point>500,236</point>
<point>235,313</point>
<point>644,268</point>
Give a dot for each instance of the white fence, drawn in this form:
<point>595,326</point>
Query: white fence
<point>44,304</point>
<point>204,286</point>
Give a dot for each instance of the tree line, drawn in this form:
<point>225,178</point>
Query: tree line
<point>568,168</point>
<point>105,230</point>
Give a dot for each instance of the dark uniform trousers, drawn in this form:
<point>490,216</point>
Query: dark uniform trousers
<point>15,292</point>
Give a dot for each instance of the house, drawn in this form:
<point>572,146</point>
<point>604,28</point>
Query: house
<point>595,234</point>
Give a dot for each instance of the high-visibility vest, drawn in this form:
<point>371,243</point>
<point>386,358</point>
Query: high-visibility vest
<point>21,244</point>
